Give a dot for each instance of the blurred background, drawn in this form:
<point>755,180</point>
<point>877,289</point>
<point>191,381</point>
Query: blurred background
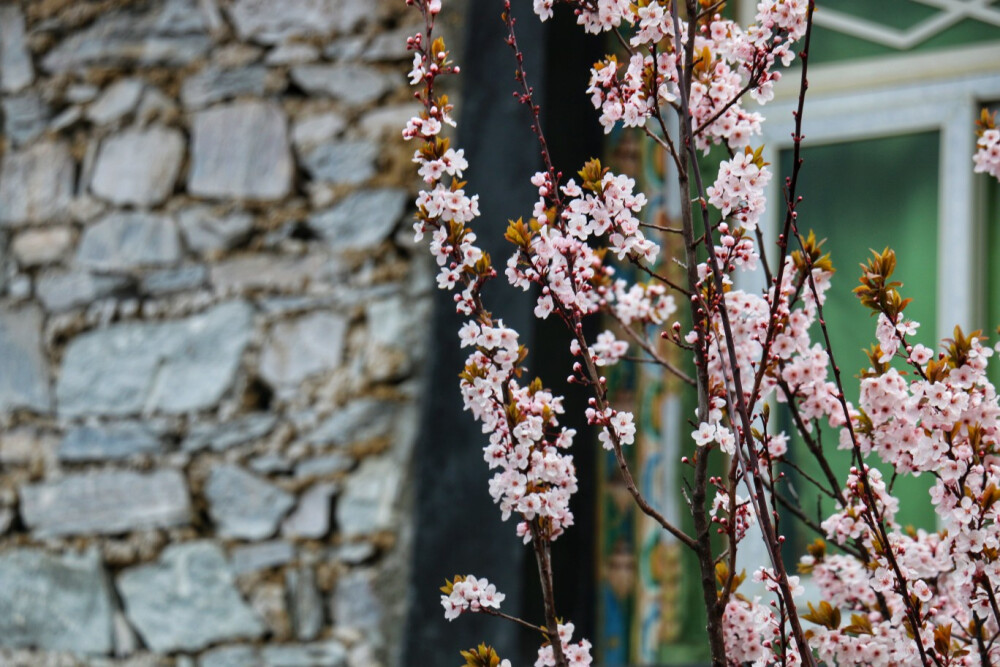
<point>230,432</point>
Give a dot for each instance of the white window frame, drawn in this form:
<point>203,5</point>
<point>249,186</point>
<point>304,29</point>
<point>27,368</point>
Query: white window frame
<point>904,95</point>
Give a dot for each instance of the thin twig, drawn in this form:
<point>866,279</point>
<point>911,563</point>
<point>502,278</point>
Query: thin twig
<point>652,352</point>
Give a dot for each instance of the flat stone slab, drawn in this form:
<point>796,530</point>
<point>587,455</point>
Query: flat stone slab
<point>244,505</point>
<point>61,290</point>
<point>207,232</point>
<point>172,32</point>
<point>171,367</point>
<point>329,653</point>
<point>240,150</point>
<point>380,209</point>
<point>108,442</point>
<point>24,116</point>
<point>118,99</point>
<point>106,503</point>
<point>353,84</point>
<point>366,504</point>
<point>341,163</point>
<point>354,603</point>
<point>317,128</point>
<point>311,519</point>
<point>34,247</point>
<point>138,166</point>
<point>16,70</point>
<point>220,437</point>
<point>306,603</point>
<point>55,603</point>
<point>36,184</point>
<point>214,84</point>
<point>261,556</point>
<point>24,371</point>
<point>361,419</point>
<point>302,347</point>
<point>169,281</point>
<point>267,22</point>
<point>259,272</point>
<point>186,600</point>
<point>123,241</point>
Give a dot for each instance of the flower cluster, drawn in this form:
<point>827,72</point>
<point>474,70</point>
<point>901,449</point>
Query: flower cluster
<point>577,654</point>
<point>739,519</point>
<point>526,443</point>
<point>739,188</point>
<point>987,157</point>
<point>469,594</point>
<point>753,632</point>
<point>644,303</point>
<point>729,63</point>
<point>631,99</point>
<point>596,16</point>
<point>941,586</point>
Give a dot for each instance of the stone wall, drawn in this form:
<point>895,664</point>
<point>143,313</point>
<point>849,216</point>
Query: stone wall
<point>211,332</point>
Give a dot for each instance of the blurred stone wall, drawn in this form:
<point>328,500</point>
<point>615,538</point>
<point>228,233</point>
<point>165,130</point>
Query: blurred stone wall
<point>212,326</point>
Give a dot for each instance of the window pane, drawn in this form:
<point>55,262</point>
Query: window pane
<point>868,195</point>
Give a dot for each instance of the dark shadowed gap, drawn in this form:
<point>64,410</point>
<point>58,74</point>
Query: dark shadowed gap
<point>574,136</point>
<point>458,529</point>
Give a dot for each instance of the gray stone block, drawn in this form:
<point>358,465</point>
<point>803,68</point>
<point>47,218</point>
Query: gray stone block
<point>36,184</point>
<point>117,100</point>
<point>354,603</point>
<point>138,166</point>
<point>61,290</point>
<point>108,442</point>
<point>241,150</point>
<point>302,347</point>
<point>356,553</point>
<point>169,281</point>
<point>311,519</point>
<point>56,603</point>
<point>231,656</point>
<point>261,556</point>
<point>366,504</point>
<point>380,209</point>
<point>24,117</point>
<point>186,600</point>
<point>244,505</point>
<point>171,32</point>
<point>34,247</point>
<point>206,232</point>
<point>214,84</point>
<point>272,273</point>
<point>123,241</point>
<point>317,128</point>
<point>322,654</point>
<point>220,437</point>
<point>264,21</point>
<point>170,367</point>
<point>292,54</point>
<point>329,653</point>
<point>322,466</point>
<point>350,83</point>
<point>342,163</point>
<point>106,503</point>
<point>270,463</point>
<point>16,70</point>
<point>306,604</point>
<point>390,46</point>
<point>361,419</point>
<point>24,372</point>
